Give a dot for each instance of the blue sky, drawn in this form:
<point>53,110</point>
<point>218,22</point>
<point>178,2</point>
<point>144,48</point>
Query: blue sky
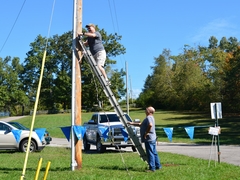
<point>146,27</point>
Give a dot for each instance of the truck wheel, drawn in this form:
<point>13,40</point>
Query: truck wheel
<point>85,144</point>
<point>24,144</point>
<point>100,147</point>
<point>134,149</point>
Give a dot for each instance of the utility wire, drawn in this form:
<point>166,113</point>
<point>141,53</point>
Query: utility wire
<point>50,23</point>
<point>116,19</point>
<point>116,16</point>
<point>111,14</point>
<point>121,61</point>
<point>13,26</point>
<point>37,99</point>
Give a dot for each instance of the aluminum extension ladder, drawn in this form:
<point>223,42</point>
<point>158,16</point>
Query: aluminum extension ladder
<point>135,140</point>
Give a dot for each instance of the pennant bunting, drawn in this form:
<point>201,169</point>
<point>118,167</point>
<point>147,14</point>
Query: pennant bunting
<point>40,132</point>
<point>125,134</point>
<point>104,132</point>
<point>169,133</point>
<point>66,131</point>
<point>190,131</point>
<point>79,131</point>
<point>17,134</point>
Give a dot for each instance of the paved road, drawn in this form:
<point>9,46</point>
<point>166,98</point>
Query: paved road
<point>229,154</point>
<point>11,118</point>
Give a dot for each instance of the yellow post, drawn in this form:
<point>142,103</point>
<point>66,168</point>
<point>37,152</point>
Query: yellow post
<point>38,168</point>
<point>46,172</point>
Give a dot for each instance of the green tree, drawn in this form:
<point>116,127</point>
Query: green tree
<point>56,83</point>
<point>231,93</point>
<point>12,97</point>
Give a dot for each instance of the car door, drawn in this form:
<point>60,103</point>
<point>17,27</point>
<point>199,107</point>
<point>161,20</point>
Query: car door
<point>7,139</point>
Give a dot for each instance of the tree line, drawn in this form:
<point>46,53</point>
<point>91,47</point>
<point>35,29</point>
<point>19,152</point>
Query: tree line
<point>195,78</point>
<point>190,80</point>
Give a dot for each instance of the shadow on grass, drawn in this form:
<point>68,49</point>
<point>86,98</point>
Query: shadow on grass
<point>136,169</point>
<point>107,151</point>
<point>119,168</point>
<point>7,170</point>
<point>8,151</point>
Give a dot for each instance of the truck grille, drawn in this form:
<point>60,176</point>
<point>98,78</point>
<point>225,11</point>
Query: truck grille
<point>117,132</point>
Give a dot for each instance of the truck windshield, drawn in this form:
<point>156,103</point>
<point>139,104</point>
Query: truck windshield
<point>112,118</point>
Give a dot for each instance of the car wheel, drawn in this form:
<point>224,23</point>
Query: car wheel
<point>134,149</point>
<point>85,144</point>
<point>24,144</point>
<point>100,147</point>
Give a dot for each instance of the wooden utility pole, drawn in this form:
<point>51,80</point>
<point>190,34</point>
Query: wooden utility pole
<point>76,86</point>
<point>78,114</point>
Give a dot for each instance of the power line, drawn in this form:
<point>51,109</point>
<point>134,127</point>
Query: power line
<point>13,26</point>
<point>116,19</point>
<point>111,14</point>
<point>116,16</point>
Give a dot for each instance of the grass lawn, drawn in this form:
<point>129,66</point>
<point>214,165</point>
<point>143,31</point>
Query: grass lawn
<point>112,166</point>
<point>178,120</point>
<point>127,165</point>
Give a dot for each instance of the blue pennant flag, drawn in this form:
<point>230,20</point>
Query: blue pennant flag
<point>190,131</point>
<point>17,134</point>
<point>66,131</point>
<point>169,133</point>
<point>104,132</point>
<point>79,131</point>
<point>125,134</point>
<point>40,132</point>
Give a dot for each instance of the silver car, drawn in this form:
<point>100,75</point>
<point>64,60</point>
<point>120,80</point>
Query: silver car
<point>8,141</point>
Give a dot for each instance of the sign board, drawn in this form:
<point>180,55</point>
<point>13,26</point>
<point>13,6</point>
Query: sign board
<point>216,110</point>
<point>214,130</point>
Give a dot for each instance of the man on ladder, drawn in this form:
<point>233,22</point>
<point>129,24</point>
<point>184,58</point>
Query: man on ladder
<point>108,92</point>
<point>94,41</point>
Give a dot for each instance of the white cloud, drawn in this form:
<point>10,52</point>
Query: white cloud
<point>135,93</point>
<point>218,28</point>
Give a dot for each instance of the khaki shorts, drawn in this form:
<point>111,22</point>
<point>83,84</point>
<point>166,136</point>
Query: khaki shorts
<point>100,57</point>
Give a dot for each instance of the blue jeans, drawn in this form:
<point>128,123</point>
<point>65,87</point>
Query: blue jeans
<point>153,159</point>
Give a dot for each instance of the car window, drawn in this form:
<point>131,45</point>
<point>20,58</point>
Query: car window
<point>128,118</point>
<point>95,118</point>
<point>19,126</point>
<point>112,118</point>
<point>109,117</point>
<point>3,127</point>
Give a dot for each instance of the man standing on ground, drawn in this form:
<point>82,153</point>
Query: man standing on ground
<point>94,41</point>
<point>148,137</point>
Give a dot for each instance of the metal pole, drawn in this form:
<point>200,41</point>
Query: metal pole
<point>218,141</point>
<point>127,99</point>
<point>131,90</point>
<point>73,162</point>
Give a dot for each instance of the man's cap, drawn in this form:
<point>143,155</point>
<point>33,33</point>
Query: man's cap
<point>90,25</point>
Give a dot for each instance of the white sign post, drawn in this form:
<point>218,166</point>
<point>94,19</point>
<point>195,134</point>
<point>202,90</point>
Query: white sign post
<point>216,110</point>
<point>216,113</point>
